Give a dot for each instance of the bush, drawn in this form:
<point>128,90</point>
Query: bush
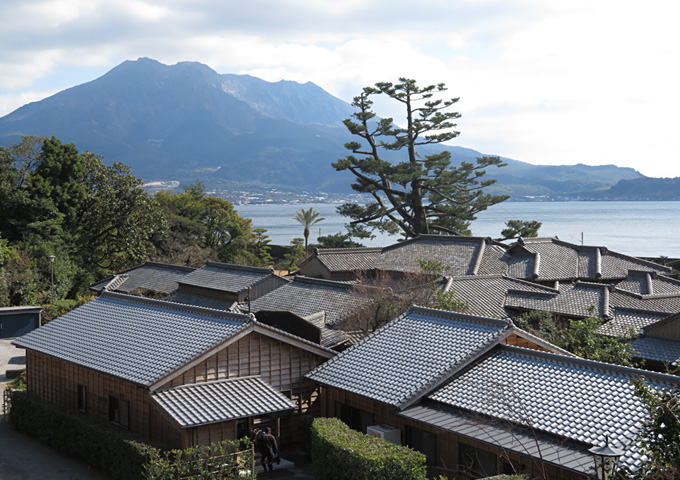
<point>110,450</point>
<point>340,453</point>
<point>102,446</point>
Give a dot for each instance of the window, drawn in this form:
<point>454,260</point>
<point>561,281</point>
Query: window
<point>82,398</point>
<point>423,441</point>
<point>119,412</point>
<point>477,462</point>
<point>354,418</point>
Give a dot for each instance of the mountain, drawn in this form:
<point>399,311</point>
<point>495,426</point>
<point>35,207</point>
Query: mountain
<point>186,122</point>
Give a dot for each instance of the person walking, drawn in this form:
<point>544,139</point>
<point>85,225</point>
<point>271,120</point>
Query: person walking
<point>267,446</point>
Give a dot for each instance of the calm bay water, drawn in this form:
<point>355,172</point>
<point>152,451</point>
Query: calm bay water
<point>646,229</point>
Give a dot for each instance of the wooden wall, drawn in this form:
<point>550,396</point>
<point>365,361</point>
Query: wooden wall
<point>280,364</point>
<point>523,342</point>
<point>448,443</point>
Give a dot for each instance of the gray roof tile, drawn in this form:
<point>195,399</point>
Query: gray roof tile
<point>461,254</point>
<point>657,349</point>
<point>347,259</point>
<point>649,283</point>
<point>579,299</point>
<point>625,319</point>
<point>159,277</point>
<point>557,451</point>
<point>307,296</point>
<point>226,277</point>
<point>485,294</point>
<point>136,339</point>
<point>403,359</point>
<point>576,399</point>
<point>212,402</point>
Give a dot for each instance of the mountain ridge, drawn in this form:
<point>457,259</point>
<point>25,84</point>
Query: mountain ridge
<point>186,122</point>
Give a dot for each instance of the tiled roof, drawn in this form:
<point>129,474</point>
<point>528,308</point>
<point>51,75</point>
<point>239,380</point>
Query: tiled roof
<point>409,355</point>
<point>494,260</point>
<point>560,452</point>
<point>572,398</point>
<point>625,319</point>
<point>213,402</point>
<point>306,296</point>
<point>485,294</point>
<point>330,337</point>
<point>226,277</point>
<point>346,259</point>
<point>159,277</point>
<point>548,259</point>
<point>461,254</point>
<point>649,283</point>
<point>666,303</point>
<point>203,301</point>
<point>657,349</point>
<point>136,339</point>
<point>579,299</point>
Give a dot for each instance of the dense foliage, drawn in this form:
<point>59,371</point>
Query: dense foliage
<point>95,220</point>
<point>423,193</point>
<point>92,218</point>
<point>661,433</point>
<point>340,453</point>
<point>579,337</point>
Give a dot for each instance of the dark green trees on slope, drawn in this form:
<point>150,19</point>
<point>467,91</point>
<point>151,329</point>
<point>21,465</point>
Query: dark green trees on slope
<point>422,193</point>
<point>96,220</point>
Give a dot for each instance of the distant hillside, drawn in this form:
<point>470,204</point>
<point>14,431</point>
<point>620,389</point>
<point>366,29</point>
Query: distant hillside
<point>186,122</point>
<point>645,189</point>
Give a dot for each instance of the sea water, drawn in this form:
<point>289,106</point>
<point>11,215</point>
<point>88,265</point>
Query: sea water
<point>646,229</point>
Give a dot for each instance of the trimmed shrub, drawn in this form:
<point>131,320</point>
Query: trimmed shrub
<point>105,448</point>
<point>340,453</point>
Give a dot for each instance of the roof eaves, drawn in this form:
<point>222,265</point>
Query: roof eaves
<point>447,374</point>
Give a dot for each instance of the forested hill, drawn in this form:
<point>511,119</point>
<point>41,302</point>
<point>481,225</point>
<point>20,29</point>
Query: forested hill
<point>186,122</point>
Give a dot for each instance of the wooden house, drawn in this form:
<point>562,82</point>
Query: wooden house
<point>480,397</point>
<point>175,374</point>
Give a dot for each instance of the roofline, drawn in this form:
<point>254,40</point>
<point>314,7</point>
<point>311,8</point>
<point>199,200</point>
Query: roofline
<point>181,307</point>
<point>25,308</point>
<point>644,297</point>
<point>542,343</point>
<point>252,326</point>
<point>322,282</point>
<point>500,276</point>
<point>631,371</point>
<point>437,237</point>
<point>486,419</point>
<point>450,373</point>
<point>232,266</point>
<point>169,266</point>
<point>661,322</point>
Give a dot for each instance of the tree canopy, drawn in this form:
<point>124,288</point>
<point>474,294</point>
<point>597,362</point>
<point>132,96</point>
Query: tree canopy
<point>424,193</point>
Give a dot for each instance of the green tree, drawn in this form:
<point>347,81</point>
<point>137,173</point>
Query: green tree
<point>296,252</point>
<point>520,228</point>
<point>338,240</point>
<point>203,228</point>
<point>307,218</point>
<point>661,433</point>
<point>422,194</point>
<point>262,248</point>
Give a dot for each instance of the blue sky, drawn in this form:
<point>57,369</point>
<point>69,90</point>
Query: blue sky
<point>543,81</point>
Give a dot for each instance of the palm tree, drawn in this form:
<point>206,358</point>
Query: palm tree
<point>307,218</point>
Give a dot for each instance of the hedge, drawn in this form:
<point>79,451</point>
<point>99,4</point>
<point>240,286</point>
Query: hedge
<point>111,451</point>
<point>104,447</point>
<point>340,453</point>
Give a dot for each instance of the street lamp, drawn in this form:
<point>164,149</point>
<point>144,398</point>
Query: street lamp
<point>51,257</point>
<point>606,460</point>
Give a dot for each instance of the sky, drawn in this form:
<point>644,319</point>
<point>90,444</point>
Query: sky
<point>543,81</point>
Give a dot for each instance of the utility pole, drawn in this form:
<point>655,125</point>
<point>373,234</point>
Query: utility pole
<point>51,257</point>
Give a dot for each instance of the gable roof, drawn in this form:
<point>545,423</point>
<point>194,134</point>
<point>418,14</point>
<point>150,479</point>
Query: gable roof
<point>410,355</point>
<point>624,319</point>
<point>485,294</point>
<point>572,398</point>
<point>579,299</point>
<point>137,339</point>
<point>345,259</point>
<point>550,259</point>
<point>159,277</point>
<point>308,296</point>
<point>649,283</point>
<point>225,277</point>
<point>222,400</point>
<point>461,254</point>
